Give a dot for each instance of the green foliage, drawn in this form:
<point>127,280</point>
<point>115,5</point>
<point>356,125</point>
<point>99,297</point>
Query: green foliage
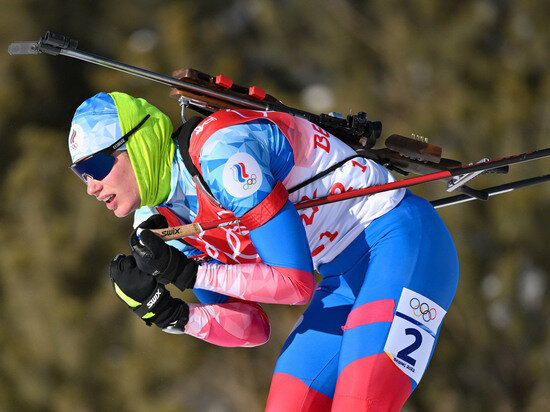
<point>471,75</point>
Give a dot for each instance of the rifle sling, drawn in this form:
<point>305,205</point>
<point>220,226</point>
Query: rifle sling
<point>324,172</point>
<point>183,134</point>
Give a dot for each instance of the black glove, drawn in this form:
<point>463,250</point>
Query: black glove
<point>163,261</point>
<point>145,296</point>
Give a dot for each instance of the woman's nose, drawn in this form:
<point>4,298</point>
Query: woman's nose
<point>92,186</point>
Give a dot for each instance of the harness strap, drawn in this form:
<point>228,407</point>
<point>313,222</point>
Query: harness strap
<point>324,172</point>
<point>266,209</point>
<point>183,134</point>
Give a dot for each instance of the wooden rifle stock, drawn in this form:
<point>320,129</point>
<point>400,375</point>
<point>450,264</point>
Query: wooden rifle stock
<point>402,154</point>
<point>223,85</point>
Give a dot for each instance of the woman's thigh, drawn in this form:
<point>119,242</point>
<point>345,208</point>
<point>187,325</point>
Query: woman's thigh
<point>411,274</point>
<point>306,371</point>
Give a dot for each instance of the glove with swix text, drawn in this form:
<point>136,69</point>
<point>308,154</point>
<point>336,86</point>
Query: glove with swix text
<point>145,296</point>
<point>166,263</point>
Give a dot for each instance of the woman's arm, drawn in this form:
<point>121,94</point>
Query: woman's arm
<point>235,323</point>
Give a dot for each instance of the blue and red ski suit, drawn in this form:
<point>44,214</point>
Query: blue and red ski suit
<point>388,263</point>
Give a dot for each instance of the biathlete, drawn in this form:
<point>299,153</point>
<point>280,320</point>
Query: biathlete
<point>388,263</point>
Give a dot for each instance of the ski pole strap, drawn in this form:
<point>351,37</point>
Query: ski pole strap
<point>324,173</point>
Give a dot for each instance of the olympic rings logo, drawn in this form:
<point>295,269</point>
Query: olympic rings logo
<point>423,309</point>
<point>251,181</point>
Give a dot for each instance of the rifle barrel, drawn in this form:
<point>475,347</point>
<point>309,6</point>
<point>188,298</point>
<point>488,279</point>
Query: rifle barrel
<point>160,78</point>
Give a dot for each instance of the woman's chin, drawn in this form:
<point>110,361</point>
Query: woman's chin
<point>121,212</point>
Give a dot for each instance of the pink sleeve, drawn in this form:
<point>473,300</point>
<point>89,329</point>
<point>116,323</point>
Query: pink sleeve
<point>236,323</point>
<point>257,282</point>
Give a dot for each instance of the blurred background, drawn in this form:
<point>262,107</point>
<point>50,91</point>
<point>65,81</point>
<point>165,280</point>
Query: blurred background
<point>473,76</point>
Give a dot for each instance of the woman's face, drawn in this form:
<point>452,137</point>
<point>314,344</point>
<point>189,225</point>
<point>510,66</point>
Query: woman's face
<point>119,189</point>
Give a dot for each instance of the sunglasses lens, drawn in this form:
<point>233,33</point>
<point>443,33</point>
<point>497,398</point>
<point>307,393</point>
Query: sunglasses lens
<point>96,166</point>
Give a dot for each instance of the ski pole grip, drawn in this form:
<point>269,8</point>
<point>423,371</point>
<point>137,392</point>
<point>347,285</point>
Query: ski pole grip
<point>178,232</point>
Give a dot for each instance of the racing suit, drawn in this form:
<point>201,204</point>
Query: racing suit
<point>388,263</point>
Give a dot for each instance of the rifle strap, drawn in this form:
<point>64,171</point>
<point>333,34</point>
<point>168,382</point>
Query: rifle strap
<point>183,134</point>
<point>325,172</point>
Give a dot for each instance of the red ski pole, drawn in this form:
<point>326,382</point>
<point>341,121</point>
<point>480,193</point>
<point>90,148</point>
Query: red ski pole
<point>196,228</point>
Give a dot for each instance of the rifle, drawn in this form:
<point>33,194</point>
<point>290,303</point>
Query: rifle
<point>207,94</point>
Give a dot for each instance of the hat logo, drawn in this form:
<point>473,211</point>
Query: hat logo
<point>75,137</point>
<point>72,141</point>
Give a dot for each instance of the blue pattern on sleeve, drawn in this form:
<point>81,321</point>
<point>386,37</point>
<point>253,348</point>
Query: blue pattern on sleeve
<point>294,252</point>
<point>242,163</point>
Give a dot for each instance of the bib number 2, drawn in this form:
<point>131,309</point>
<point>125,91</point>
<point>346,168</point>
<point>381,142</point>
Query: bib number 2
<point>403,354</point>
<point>413,332</point>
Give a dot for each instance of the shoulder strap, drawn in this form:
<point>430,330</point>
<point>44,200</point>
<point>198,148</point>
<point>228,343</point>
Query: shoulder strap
<point>183,135</point>
<point>324,172</point>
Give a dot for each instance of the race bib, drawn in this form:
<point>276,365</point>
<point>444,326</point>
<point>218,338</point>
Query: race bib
<point>412,333</point>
